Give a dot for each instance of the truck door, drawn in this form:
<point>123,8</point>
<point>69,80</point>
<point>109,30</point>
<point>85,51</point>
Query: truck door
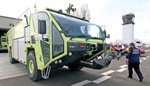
<point>46,41</point>
<point>57,42</point>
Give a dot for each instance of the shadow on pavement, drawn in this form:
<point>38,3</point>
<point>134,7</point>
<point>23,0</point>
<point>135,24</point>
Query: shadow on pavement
<point>3,51</point>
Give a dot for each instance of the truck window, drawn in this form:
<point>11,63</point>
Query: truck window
<point>41,16</point>
<point>3,39</point>
<point>58,47</point>
<point>35,22</point>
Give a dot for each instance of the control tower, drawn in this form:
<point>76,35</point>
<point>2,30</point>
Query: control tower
<point>128,28</point>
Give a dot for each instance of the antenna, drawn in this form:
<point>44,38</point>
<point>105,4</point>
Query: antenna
<point>132,10</point>
<point>35,6</point>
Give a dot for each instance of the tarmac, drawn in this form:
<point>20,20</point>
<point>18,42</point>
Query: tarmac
<point>8,70</point>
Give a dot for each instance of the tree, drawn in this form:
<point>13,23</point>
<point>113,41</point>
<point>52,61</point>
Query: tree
<point>83,12</point>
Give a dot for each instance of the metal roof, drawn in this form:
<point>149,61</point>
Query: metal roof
<point>6,21</point>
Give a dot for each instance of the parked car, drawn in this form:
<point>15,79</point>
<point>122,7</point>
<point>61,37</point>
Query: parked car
<point>117,47</point>
<point>125,46</point>
<point>142,51</point>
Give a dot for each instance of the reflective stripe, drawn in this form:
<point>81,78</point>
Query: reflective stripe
<point>135,51</point>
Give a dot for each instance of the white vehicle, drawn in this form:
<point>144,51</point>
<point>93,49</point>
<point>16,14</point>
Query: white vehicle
<point>138,43</point>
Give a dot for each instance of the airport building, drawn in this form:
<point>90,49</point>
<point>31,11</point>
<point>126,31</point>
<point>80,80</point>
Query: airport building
<point>128,28</point>
<point>6,23</point>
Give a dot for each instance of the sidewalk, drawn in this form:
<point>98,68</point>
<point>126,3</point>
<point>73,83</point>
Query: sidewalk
<point>8,70</point>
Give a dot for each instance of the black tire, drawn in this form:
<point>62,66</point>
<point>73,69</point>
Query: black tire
<point>74,67</point>
<point>36,74</point>
<point>12,60</point>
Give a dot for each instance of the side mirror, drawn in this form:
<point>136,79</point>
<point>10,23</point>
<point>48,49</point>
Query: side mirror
<point>104,33</point>
<point>108,36</point>
<point>42,26</point>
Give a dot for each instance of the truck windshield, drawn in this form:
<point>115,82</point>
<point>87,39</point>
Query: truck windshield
<point>74,27</point>
<point>3,39</point>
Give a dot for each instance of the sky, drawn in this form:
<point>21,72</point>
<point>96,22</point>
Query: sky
<point>103,12</point>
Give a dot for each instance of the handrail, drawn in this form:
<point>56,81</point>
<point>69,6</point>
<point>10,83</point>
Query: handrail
<point>15,21</point>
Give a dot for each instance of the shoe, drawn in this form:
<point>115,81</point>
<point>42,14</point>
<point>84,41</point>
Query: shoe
<point>141,79</point>
<point>129,77</point>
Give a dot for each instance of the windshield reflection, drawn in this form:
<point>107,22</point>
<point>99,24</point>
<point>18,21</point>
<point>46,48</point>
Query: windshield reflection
<point>77,28</point>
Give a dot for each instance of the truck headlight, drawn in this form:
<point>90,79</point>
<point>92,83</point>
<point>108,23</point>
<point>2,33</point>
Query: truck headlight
<point>70,53</point>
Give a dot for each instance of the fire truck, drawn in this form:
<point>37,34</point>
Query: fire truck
<point>3,42</point>
<point>50,39</point>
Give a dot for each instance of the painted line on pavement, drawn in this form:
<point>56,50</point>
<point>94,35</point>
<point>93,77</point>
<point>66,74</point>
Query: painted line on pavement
<point>144,58</point>
<point>99,80</point>
<point>121,70</point>
<point>123,66</point>
<point>147,50</point>
<point>108,72</point>
<point>141,60</point>
<point>147,56</point>
<point>12,76</point>
<point>82,83</point>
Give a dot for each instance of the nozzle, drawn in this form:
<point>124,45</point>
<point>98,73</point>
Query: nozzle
<point>73,9</point>
<point>127,50</point>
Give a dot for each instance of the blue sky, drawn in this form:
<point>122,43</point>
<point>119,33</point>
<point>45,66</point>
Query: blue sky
<point>103,12</point>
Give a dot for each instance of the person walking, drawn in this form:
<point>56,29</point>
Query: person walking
<point>133,61</point>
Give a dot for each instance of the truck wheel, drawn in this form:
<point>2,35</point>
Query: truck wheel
<point>33,73</point>
<point>74,67</point>
<point>12,61</point>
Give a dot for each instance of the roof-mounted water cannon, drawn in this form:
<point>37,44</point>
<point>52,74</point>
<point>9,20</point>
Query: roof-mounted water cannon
<point>73,9</point>
<point>70,8</point>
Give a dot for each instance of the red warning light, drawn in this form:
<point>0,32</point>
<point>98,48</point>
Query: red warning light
<point>81,46</point>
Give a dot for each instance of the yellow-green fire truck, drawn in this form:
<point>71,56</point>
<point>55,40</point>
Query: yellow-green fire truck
<point>51,39</point>
<point>3,42</point>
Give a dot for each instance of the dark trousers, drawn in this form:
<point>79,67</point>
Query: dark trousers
<point>136,67</point>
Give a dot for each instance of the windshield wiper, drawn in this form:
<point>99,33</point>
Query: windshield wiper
<point>79,36</point>
<point>93,38</point>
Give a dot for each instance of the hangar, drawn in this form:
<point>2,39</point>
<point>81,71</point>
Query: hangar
<point>6,23</point>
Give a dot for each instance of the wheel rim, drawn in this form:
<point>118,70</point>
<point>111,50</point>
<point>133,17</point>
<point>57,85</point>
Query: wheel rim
<point>31,66</point>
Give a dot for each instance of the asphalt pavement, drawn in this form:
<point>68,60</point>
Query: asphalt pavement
<point>114,75</point>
